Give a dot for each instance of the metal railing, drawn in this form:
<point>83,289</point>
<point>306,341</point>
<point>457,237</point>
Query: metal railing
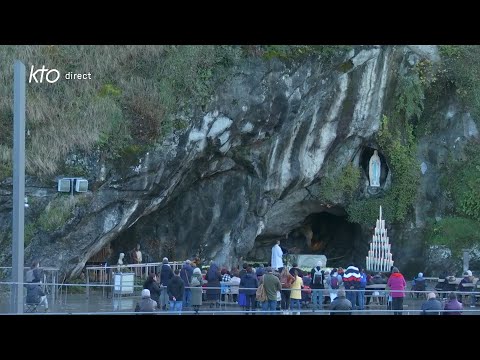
<point>105,275</point>
<point>48,279</point>
<point>125,305</point>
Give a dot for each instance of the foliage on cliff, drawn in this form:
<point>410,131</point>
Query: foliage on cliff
<point>397,142</point>
<point>419,95</point>
<point>342,188</point>
<point>460,70</point>
<point>459,74</point>
<point>461,182</point>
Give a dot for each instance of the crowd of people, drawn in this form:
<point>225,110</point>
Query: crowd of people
<point>279,288</point>
<point>275,288</point>
<point>284,289</point>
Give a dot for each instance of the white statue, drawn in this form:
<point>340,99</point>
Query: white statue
<point>120,262</point>
<point>374,169</point>
<point>120,259</point>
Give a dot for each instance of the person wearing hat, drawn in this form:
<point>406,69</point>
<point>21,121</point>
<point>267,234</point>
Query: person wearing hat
<point>467,279</point>
<point>146,304</point>
<point>419,284</point>
<point>432,306</point>
<point>196,284</point>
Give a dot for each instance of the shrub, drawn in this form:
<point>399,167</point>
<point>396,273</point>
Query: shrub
<point>57,212</point>
<point>456,233</point>
<point>462,181</point>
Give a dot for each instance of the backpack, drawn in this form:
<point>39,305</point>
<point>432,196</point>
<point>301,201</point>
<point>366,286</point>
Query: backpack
<point>363,280</point>
<point>318,277</point>
<point>261,294</point>
<point>334,282</point>
<point>195,281</point>
<point>419,285</point>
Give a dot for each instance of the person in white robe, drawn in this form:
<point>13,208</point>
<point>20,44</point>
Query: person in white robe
<point>277,254</point>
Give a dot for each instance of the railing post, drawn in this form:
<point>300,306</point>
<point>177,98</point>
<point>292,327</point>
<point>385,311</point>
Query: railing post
<point>88,282</point>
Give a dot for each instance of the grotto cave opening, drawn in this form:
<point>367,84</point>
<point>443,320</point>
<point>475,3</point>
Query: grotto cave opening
<point>330,234</point>
<point>326,233</point>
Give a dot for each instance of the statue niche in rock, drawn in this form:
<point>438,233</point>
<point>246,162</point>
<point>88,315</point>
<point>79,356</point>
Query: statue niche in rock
<point>374,168</point>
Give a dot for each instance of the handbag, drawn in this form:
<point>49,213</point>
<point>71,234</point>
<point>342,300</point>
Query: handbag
<point>279,296</point>
<point>186,277</point>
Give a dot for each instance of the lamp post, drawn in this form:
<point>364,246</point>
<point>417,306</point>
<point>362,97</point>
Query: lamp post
<point>466,259</point>
<point>16,296</point>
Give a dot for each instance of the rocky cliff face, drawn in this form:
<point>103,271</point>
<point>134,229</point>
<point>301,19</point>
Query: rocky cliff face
<point>247,170</point>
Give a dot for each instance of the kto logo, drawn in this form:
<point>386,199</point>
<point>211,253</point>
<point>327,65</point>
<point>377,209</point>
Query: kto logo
<point>51,75</point>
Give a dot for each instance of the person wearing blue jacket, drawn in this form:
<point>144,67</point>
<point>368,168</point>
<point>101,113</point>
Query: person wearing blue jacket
<point>248,286</point>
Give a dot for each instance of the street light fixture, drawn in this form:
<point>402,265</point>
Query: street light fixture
<point>81,185</point>
<point>70,184</point>
<point>64,185</point>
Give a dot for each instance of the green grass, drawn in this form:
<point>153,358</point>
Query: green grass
<point>5,161</point>
<point>131,99</point>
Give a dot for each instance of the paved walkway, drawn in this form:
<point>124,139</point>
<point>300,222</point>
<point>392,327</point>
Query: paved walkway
<point>98,303</point>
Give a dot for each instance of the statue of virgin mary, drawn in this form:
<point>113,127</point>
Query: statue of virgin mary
<point>374,169</point>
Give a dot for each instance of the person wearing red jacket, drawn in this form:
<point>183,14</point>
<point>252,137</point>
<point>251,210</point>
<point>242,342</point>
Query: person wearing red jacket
<point>396,282</point>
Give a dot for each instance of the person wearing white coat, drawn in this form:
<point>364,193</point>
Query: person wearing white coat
<point>277,254</point>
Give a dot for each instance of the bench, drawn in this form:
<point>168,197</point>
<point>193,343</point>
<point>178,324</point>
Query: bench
<point>370,291</point>
<point>442,284</point>
<point>31,308</point>
<point>419,289</point>
<point>469,288</point>
<point>454,287</point>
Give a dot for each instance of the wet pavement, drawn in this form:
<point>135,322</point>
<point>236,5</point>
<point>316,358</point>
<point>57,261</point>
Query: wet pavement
<point>99,302</point>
